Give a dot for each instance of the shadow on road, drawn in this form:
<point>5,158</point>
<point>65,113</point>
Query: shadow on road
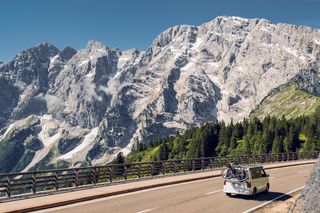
<point>265,197</point>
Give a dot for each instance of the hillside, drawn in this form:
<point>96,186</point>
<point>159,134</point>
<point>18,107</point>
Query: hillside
<point>253,136</point>
<point>290,102</point>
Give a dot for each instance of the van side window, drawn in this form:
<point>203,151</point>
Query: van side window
<point>264,174</point>
<point>256,173</point>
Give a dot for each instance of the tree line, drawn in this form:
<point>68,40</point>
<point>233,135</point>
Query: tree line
<point>251,136</point>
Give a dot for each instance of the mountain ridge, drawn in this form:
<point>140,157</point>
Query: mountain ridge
<point>101,101</point>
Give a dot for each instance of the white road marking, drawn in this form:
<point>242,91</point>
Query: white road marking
<point>209,193</point>
<point>148,210</point>
<point>266,203</point>
<point>133,193</point>
<point>121,195</point>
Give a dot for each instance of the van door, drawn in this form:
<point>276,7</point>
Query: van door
<point>264,179</point>
<point>257,179</point>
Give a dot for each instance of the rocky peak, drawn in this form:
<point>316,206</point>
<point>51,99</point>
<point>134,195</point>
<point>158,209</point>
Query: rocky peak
<point>96,45</point>
<point>80,86</point>
<point>133,51</point>
<point>128,58</point>
<point>31,64</point>
<point>67,53</point>
<point>171,34</point>
<point>43,51</point>
<point>231,20</point>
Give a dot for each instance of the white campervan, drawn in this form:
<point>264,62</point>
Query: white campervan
<point>245,180</point>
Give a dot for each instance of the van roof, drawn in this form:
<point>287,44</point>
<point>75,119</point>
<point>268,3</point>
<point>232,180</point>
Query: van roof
<point>248,166</point>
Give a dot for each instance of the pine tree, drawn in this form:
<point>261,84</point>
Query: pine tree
<point>163,153</point>
<point>277,145</point>
<point>233,142</point>
<point>119,159</point>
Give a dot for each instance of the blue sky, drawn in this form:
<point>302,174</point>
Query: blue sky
<point>128,23</point>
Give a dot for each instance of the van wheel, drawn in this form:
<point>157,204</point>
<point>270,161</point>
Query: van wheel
<point>267,188</point>
<point>254,193</point>
<point>228,194</point>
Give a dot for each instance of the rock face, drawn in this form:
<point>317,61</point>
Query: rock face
<point>308,201</point>
<point>189,75</point>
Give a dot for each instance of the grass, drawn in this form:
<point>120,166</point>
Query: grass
<point>148,155</point>
<point>290,102</point>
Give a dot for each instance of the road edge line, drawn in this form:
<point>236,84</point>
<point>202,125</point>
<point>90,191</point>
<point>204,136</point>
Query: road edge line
<point>274,199</point>
<point>93,197</point>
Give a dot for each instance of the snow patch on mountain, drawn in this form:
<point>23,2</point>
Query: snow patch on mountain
<point>80,152</point>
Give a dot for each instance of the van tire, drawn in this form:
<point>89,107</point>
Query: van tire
<point>228,194</point>
<point>267,189</point>
<point>254,193</point>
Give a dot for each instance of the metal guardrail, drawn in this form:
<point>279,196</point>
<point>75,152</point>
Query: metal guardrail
<point>35,182</point>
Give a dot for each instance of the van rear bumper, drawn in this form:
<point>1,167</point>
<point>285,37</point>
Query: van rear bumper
<point>238,192</point>
<point>242,191</point>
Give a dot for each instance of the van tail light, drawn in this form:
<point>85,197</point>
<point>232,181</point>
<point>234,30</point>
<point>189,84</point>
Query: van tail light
<point>248,184</point>
<point>224,182</point>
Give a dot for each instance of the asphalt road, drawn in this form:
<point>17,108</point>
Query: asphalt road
<point>198,196</point>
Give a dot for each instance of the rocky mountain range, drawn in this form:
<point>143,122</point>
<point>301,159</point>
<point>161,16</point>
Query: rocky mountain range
<point>81,107</point>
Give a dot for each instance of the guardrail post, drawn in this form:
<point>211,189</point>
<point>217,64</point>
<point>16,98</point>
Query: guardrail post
<point>240,159</point>
<point>180,166</point>
<point>110,174</point>
<point>151,169</point>
<point>211,163</point>
<point>139,171</point>
<point>33,183</point>
<point>183,165</point>
<point>125,172</point>
<point>163,168</point>
<point>56,185</point>
<point>244,160</point>
<point>173,167</point>
<point>193,165</point>
<point>202,164</point>
<point>8,188</point>
<point>93,176</point>
<point>76,177</point>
